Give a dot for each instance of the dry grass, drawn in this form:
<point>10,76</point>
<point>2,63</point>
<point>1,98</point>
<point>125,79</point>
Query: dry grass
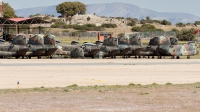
<point>54,30</point>
<point>68,40</point>
<point>102,88</point>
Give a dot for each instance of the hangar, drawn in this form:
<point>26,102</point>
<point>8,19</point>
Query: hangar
<point>10,26</point>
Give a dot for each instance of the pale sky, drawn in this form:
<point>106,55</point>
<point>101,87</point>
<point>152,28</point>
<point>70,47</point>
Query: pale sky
<point>183,6</point>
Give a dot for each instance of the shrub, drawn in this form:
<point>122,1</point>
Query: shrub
<point>73,85</point>
<point>120,34</point>
<point>88,27</point>
<point>109,25</point>
<point>145,28</point>
<point>131,23</point>
<point>88,18</point>
<point>54,20</point>
<point>131,84</point>
<point>168,84</point>
<point>58,24</point>
<point>118,17</point>
<point>180,25</point>
<point>136,29</point>
<point>197,22</point>
<point>154,84</point>
<point>157,21</point>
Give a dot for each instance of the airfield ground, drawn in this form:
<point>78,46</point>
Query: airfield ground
<point>148,85</point>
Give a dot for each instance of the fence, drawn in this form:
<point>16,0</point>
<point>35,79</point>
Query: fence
<point>148,35</point>
<point>145,35</point>
<point>76,34</point>
<point>94,34</point>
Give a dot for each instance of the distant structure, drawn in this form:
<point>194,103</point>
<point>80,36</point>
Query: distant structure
<point>1,9</point>
<point>104,35</point>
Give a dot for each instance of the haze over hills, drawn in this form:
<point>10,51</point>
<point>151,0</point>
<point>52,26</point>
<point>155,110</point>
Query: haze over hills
<point>116,9</point>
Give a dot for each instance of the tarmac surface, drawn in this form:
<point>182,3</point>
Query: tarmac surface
<point>99,64</point>
<point>83,72</point>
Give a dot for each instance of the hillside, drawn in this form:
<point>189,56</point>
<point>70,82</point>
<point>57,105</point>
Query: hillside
<point>116,9</point>
<point>98,21</point>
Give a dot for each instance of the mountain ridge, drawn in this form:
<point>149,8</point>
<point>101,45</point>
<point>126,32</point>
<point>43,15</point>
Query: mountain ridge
<point>116,9</point>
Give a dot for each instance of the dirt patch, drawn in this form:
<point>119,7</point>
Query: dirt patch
<point>154,98</point>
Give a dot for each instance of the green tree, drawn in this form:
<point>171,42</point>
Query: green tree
<point>147,18</point>
<point>186,34</point>
<point>165,22</point>
<point>71,8</point>
<point>8,11</point>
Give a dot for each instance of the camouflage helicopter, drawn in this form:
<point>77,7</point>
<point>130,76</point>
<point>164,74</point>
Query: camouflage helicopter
<point>49,45</point>
<point>90,49</point>
<point>16,49</point>
<point>76,50</point>
<point>36,48</point>
<point>109,48</point>
<point>151,48</point>
<point>133,46</point>
<point>123,46</point>
<point>40,45</point>
<point>169,49</point>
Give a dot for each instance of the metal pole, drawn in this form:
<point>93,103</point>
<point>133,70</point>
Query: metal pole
<point>16,28</point>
